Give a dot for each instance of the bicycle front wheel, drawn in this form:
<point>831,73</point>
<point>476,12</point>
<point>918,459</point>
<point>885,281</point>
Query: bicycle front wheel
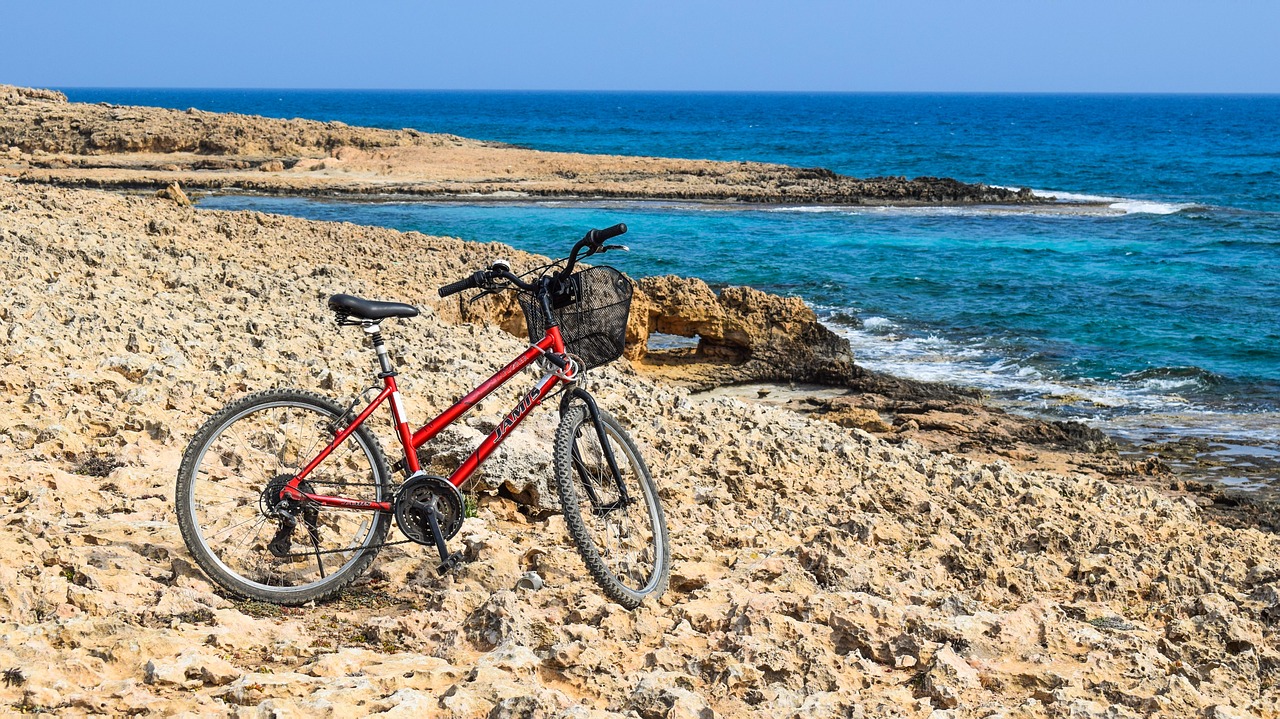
<point>228,498</point>
<point>615,518</point>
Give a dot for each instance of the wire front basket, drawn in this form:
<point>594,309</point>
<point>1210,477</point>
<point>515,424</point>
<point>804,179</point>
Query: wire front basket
<point>594,321</point>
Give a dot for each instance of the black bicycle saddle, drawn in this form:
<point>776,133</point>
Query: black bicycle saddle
<point>370,309</point>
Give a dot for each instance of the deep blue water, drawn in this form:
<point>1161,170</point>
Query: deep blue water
<point>1163,303</point>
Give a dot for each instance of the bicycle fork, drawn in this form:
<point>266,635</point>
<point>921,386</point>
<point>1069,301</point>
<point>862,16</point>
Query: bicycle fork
<point>624,499</point>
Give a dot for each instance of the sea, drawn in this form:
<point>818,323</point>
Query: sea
<point>1147,304</point>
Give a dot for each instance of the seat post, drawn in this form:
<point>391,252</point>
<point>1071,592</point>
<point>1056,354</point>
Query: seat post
<point>374,330</point>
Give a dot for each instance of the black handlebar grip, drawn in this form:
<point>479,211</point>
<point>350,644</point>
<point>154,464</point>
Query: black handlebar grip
<point>469,283</point>
<point>599,236</point>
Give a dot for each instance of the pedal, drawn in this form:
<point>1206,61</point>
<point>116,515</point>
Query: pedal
<point>452,562</point>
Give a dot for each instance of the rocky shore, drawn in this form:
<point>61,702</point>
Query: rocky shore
<point>45,139</point>
<point>820,569</point>
<point>756,346</point>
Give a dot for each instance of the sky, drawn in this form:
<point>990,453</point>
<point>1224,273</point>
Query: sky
<point>694,45</point>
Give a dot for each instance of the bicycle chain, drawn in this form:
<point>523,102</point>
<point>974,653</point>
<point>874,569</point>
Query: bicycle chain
<point>313,553</point>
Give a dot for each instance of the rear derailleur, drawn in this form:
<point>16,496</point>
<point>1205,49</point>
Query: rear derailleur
<point>287,512</point>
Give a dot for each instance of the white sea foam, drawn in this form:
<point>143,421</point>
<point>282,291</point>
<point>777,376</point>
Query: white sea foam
<point>1132,405</point>
<point>881,344</point>
<point>815,209</point>
<point>1070,204</point>
<point>1171,384</point>
<point>1074,196</point>
<point>1139,207</point>
<point>1123,205</point>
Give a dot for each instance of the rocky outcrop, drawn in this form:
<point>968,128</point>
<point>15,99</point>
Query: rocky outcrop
<point>14,96</point>
<point>743,334</point>
<point>42,120</point>
<point>143,148</point>
<point>174,194</point>
<point>746,337</point>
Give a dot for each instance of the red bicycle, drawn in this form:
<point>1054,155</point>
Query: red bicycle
<point>285,496</point>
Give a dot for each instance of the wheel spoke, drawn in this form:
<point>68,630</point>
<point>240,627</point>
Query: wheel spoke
<point>237,524</point>
<point>230,517</point>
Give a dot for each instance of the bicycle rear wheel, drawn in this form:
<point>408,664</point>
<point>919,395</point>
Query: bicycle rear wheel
<point>228,495</point>
<point>623,540</point>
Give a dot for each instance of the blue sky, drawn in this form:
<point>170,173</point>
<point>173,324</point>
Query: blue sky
<point>924,45</point>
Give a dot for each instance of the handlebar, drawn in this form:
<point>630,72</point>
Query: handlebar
<point>599,237</point>
<point>470,283</point>
<point>483,278</point>
<point>592,241</point>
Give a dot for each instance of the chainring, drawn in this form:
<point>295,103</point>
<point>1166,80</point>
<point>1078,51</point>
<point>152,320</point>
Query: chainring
<point>416,495</point>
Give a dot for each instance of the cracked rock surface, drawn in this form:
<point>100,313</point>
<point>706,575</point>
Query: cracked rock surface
<point>819,571</point>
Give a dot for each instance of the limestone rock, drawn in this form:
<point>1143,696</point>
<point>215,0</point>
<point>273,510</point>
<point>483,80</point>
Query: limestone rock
<point>66,143</point>
<point>751,335</point>
<point>175,194</point>
<point>817,570</point>
<point>950,678</point>
<point>658,695</point>
<point>188,669</point>
<point>682,306</point>
<point>858,418</point>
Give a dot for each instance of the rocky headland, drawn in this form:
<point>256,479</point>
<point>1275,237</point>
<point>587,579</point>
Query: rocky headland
<point>820,569</point>
<point>45,139</point>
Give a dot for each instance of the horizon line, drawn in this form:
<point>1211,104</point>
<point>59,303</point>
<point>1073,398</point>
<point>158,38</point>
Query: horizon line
<point>1201,93</point>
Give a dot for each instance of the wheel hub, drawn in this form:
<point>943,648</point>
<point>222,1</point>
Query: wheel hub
<point>271,503</point>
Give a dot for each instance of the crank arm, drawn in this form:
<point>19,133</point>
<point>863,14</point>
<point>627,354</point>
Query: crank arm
<point>447,561</point>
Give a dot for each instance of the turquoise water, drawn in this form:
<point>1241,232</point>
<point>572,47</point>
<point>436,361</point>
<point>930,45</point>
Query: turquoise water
<point>1157,307</point>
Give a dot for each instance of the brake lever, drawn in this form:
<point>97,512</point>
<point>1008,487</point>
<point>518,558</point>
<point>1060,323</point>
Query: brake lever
<point>487,291</point>
<point>606,248</point>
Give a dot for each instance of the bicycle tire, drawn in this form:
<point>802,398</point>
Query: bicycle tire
<point>600,535</point>
<point>196,519</point>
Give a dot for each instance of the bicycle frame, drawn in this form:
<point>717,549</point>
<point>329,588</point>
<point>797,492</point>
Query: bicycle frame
<point>552,341</point>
